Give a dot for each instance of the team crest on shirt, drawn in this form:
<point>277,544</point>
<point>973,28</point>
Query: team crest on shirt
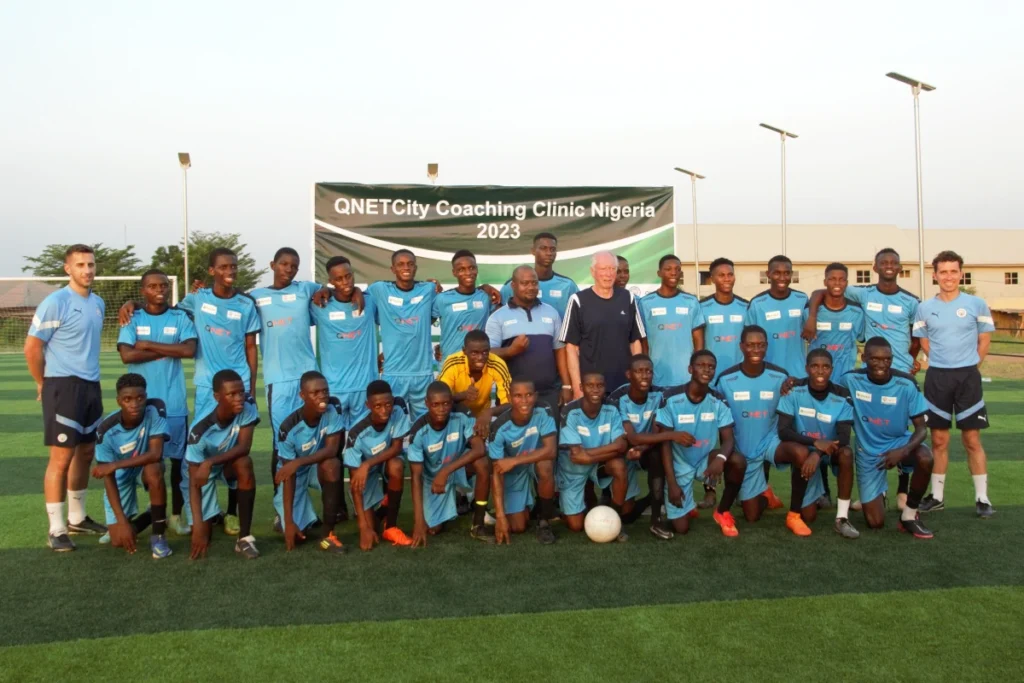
<point>961,312</point>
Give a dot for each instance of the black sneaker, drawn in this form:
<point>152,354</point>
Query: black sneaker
<point>86,526</point>
<point>984,510</point>
<point>929,504</point>
<point>60,543</point>
<point>914,526</point>
<point>483,533</point>
<point>545,536</point>
<point>662,532</point>
<point>462,506</point>
<point>247,547</point>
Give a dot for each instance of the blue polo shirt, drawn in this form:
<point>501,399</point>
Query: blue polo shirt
<point>69,325</point>
<point>554,291</point>
<point>540,324</point>
<point>952,329</point>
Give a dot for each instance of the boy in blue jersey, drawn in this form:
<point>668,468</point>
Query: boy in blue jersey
<point>885,401</point>
<point>817,415</point>
<point>780,312</point>
<point>591,448</point>
<point>521,448</point>
<point>955,330</point>
<point>152,345</point>
<point>462,309</point>
<point>218,447</point>
<point>130,442</point>
<point>694,419</point>
<point>637,402</point>
<point>307,444</point>
<point>752,390</point>
<point>674,321</point>
<point>373,450</point>
<point>444,453</point>
<point>62,351</point>
<point>555,289</point>
<point>724,313</point>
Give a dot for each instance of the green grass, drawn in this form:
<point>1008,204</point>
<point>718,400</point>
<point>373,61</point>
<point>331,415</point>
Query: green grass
<point>766,606</point>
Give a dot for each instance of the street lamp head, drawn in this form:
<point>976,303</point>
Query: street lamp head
<point>779,131</point>
<point>432,172</point>
<point>690,173</point>
<point>912,82</point>
<point>184,160</point>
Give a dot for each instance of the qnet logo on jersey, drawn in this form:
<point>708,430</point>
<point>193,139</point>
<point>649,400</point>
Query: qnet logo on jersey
<point>218,331</point>
<point>411,321</point>
<point>280,322</point>
<point>350,336</point>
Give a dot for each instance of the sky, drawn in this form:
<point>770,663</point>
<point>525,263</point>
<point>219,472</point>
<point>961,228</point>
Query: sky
<point>268,98</point>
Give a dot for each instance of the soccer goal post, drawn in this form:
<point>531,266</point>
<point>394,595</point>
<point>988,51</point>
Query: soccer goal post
<point>19,297</point>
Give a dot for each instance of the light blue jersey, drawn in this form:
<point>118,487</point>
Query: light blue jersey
<point>221,326</point>
<point>555,291</point>
<point>722,335</point>
<point>165,377</point>
<point>435,449</point>
<point>298,439</point>
<point>208,439</point>
<point>753,402</point>
<point>285,342</point>
<point>115,442</point>
<point>458,314</point>
<point>642,419</point>
<point>404,319</point>
<point>70,325</point>
<point>838,333</point>
<point>952,329</point>
<point>508,440</point>
<point>702,420</point>
<point>889,316</point>
<point>365,441</point>
<point>579,429</point>
<point>783,320</point>
<point>670,323</point>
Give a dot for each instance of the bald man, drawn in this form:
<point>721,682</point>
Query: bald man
<point>602,327</point>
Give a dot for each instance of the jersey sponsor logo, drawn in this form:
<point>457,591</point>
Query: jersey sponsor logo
<point>517,443</point>
<point>687,419</point>
<point>634,417</point>
<point>280,322</point>
<point>336,315</point>
<point>961,312</point>
<point>895,309</point>
<point>707,417</point>
<point>461,306</point>
<point>670,327</point>
<point>469,327</point>
<point>142,329</point>
<point>128,447</point>
<point>735,318</point>
<point>376,450</point>
<point>807,412</point>
<point>530,431</point>
<point>795,312</point>
<point>288,298</point>
<point>825,327</point>
<point>767,395</point>
<point>416,299</point>
<point>647,414</point>
<point>741,395</point>
<point>788,334</point>
<point>548,321</point>
<point>604,429</point>
<point>716,319</point>
<point>682,310</point>
<point>874,306</point>
<point>773,315</point>
<point>661,310</point>
<point>395,301</point>
<point>234,315</point>
<point>435,447</point>
<point>170,331</point>
<point>264,301</point>
<point>208,308</point>
<point>756,414</point>
<point>358,314</point>
<point>556,293</point>
<point>833,347</point>
<point>583,431</point>
<point>889,400</point>
<point>308,445</point>
<point>824,417</point>
<point>509,322</point>
<point>410,321</point>
<point>863,396</point>
<point>218,331</point>
<point>348,336</point>
<point>845,327</point>
<point>726,338</point>
<point>452,438</point>
<point>479,305</point>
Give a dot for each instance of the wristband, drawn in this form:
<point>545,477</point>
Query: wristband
<point>567,386</point>
<point>722,456</point>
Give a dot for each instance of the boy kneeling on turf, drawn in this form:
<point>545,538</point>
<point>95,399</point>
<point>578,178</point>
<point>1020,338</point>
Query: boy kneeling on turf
<point>130,442</point>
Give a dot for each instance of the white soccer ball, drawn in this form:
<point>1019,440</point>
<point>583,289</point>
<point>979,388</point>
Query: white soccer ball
<point>602,524</point>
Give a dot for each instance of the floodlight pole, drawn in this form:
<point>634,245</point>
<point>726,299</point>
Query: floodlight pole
<point>693,195</point>
<point>915,88</point>
<point>783,134</point>
<point>185,161</point>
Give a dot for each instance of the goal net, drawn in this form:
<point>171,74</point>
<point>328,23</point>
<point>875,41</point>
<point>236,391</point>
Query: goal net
<point>19,297</point>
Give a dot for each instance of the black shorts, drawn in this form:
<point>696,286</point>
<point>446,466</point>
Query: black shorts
<point>72,410</point>
<point>955,393</point>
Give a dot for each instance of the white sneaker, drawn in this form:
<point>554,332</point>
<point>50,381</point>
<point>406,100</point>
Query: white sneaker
<point>488,520</point>
<point>178,525</point>
<point>855,505</point>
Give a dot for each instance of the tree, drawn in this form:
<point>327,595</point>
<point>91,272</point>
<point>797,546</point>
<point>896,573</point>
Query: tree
<point>170,260</point>
<point>109,261</point>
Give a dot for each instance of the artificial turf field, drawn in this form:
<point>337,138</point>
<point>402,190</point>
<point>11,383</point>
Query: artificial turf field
<point>764,606</point>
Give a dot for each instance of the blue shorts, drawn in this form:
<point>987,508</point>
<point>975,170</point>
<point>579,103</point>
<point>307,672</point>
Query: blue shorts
<point>302,506</point>
<point>177,428</point>
<point>519,489</point>
<point>210,505</point>
<point>438,509</point>
<point>871,481</point>
<point>413,389</point>
<point>686,474</point>
<point>572,481</point>
<point>633,470</point>
<point>373,492</point>
<point>282,400</point>
<point>127,489</point>
<point>353,407</point>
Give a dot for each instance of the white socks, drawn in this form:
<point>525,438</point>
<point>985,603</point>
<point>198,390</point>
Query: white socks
<point>981,488</point>
<point>55,512</point>
<point>843,509</point>
<point>938,486</point>
<point>908,514</point>
<point>76,506</point>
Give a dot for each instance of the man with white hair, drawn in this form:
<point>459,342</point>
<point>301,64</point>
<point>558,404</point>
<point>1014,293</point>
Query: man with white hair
<point>602,327</point>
